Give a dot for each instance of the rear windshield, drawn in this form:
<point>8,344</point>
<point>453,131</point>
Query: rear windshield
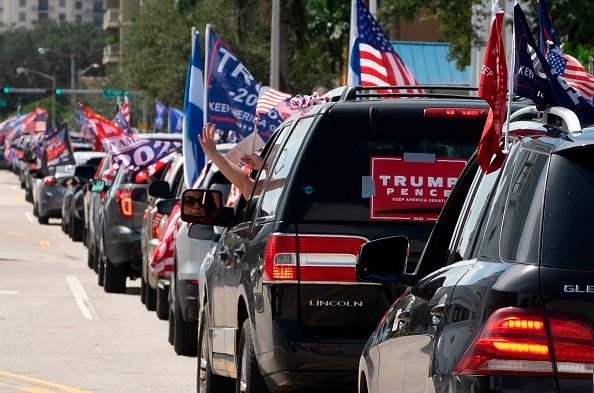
<point>569,211</point>
<point>402,171</point>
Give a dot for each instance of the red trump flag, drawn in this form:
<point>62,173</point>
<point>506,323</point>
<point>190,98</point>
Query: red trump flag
<point>493,89</point>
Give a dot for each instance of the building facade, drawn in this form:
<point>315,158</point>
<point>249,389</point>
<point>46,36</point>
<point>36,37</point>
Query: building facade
<point>25,14</point>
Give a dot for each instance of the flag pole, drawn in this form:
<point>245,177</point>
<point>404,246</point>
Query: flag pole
<point>510,83</point>
<point>205,73</point>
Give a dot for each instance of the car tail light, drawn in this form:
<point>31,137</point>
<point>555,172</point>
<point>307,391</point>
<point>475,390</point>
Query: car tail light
<point>49,181</point>
<point>311,258</point>
<point>155,228</point>
<point>19,154</point>
<point>456,113</point>
<point>124,199</point>
<point>516,341</point>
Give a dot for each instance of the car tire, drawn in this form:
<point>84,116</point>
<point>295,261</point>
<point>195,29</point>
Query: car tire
<point>28,195</point>
<point>171,333</point>
<point>185,335</point>
<point>100,270</point>
<point>90,257</point>
<point>207,381</point>
<point>162,308</point>
<point>44,220</point>
<point>95,258</point>
<point>35,210</point>
<point>115,277</point>
<point>249,379</point>
<point>150,301</point>
<point>142,288</point>
<point>76,229</point>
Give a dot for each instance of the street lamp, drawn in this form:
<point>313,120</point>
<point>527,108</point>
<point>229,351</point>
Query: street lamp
<point>43,51</point>
<point>85,70</point>
<point>21,70</point>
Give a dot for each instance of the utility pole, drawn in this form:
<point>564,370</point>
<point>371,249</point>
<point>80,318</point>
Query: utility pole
<point>275,45</point>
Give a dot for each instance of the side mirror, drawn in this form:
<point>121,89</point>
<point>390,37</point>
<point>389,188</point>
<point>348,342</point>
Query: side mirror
<point>166,206</point>
<point>383,260</point>
<point>159,189</point>
<point>33,172</point>
<point>202,232</point>
<point>97,185</point>
<point>201,206</point>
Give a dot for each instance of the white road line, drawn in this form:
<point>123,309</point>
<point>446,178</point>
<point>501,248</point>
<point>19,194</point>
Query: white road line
<point>29,217</point>
<point>9,292</point>
<point>80,296</point>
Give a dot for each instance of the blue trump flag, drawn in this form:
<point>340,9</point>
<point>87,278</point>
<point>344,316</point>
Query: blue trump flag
<point>231,91</point>
<point>175,121</point>
<point>160,111</point>
<point>193,118</point>
<point>536,80</point>
<point>547,30</point>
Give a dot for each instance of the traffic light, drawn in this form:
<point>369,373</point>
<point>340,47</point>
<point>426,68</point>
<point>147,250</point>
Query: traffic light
<point>58,91</point>
<point>6,90</point>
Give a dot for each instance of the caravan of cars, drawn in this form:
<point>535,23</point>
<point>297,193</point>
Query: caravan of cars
<point>411,265</point>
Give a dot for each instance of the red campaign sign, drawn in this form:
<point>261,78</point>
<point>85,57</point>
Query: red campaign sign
<point>411,190</point>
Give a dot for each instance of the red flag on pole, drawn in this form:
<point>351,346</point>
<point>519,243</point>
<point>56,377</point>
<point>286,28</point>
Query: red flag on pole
<point>493,89</point>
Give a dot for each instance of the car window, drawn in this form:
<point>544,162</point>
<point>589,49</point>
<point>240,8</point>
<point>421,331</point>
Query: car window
<point>568,214</point>
<point>401,170</point>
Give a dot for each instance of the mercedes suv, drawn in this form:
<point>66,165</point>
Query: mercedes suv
<point>501,299</point>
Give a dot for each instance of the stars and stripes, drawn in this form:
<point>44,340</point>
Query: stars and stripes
<point>373,61</point>
<point>572,72</point>
<point>269,99</point>
<point>125,111</point>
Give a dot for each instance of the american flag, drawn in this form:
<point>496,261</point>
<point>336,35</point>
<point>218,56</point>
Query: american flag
<point>269,98</point>
<point>164,255</point>
<point>38,123</point>
<point>373,60</point>
<point>572,72</point>
<point>125,111</point>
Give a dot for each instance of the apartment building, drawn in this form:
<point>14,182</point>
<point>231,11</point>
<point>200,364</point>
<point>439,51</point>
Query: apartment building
<point>25,14</point>
<point>116,22</point>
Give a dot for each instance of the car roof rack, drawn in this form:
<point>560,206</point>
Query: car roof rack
<point>554,115</point>
<point>353,93</point>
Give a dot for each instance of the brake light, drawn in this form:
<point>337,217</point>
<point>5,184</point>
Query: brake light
<point>155,228</point>
<point>124,199</point>
<point>49,181</point>
<point>516,341</point>
<point>311,258</point>
<point>456,113</point>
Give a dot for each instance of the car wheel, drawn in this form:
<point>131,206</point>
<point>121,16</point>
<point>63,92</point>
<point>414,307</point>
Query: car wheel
<point>95,259</point>
<point>90,257</point>
<point>28,195</point>
<point>43,220</point>
<point>142,288</point>
<point>207,382</point>
<point>100,270</point>
<point>185,333</point>
<point>171,334</point>
<point>150,300</point>
<point>162,304</point>
<point>35,209</point>
<point>76,229</point>
<point>249,378</point>
<point>115,277</point>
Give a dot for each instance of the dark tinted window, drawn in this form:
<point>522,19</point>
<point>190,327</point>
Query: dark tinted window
<point>569,211</point>
<point>334,182</point>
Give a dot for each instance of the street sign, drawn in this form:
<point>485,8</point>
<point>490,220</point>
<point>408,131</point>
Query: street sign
<point>2,103</point>
<point>113,93</point>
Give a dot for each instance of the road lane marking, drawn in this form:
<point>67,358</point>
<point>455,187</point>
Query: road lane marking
<point>44,243</point>
<point>16,234</point>
<point>29,217</point>
<point>5,292</point>
<point>83,301</point>
<point>21,378</point>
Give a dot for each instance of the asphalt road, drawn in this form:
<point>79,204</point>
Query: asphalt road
<point>59,331</point>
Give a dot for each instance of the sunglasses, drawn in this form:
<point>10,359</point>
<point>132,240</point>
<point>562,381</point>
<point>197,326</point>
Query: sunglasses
<point>190,201</point>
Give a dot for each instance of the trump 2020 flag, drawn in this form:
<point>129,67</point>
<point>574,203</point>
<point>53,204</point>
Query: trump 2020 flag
<point>493,89</point>
<point>547,30</point>
<point>193,119</point>
<point>175,121</point>
<point>231,90</point>
<point>536,80</point>
<point>372,60</point>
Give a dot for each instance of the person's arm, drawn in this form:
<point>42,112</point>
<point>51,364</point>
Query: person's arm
<point>231,171</point>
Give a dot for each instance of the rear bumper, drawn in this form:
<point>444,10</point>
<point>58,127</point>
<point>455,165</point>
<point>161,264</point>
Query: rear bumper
<point>122,245</point>
<point>187,295</point>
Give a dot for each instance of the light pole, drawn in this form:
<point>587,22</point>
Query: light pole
<point>43,51</point>
<point>85,70</point>
<point>21,70</point>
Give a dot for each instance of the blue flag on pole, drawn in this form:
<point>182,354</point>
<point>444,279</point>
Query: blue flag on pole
<point>193,118</point>
<point>231,89</point>
<point>547,30</point>
<point>175,121</point>
<point>536,80</point>
<point>160,111</point>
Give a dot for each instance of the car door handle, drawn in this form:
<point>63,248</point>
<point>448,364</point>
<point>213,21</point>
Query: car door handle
<point>224,253</point>
<point>239,252</point>
<point>437,313</point>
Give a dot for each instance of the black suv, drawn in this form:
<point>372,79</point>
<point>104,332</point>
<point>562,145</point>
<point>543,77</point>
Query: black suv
<point>502,297</point>
<point>281,309</point>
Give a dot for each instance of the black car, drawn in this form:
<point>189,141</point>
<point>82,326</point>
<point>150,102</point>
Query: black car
<point>501,299</point>
<point>281,309</point>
